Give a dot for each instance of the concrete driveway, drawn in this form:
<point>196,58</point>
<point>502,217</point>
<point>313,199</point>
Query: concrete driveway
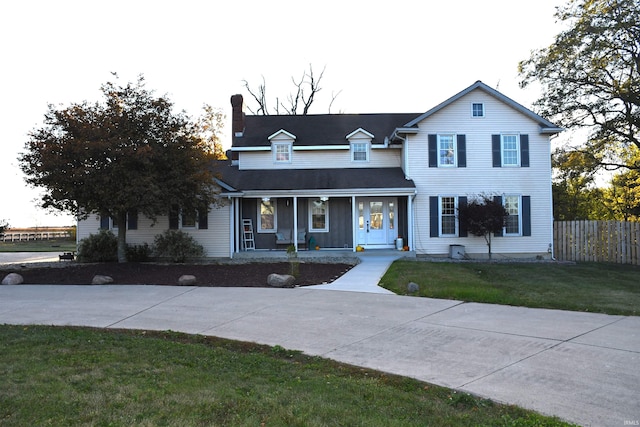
<point>582,367</point>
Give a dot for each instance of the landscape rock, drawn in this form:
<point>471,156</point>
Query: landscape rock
<point>186,280</point>
<point>281,280</point>
<point>101,280</point>
<point>12,279</point>
<point>413,287</point>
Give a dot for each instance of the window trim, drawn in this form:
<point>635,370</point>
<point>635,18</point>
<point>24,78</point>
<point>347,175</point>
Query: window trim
<point>473,110</point>
<point>516,149</point>
<point>454,214</point>
<point>367,151</point>
<point>275,216</point>
<point>454,143</point>
<point>326,216</point>
<point>289,148</point>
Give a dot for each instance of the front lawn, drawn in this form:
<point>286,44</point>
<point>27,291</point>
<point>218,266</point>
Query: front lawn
<point>79,376</point>
<point>593,287</point>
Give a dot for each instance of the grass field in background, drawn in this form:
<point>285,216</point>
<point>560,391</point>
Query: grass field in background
<point>80,376</point>
<point>591,287</point>
<point>53,245</point>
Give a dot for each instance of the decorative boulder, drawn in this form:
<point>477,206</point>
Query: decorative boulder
<point>187,280</point>
<point>101,280</point>
<point>413,287</point>
<point>12,279</point>
<point>281,280</point>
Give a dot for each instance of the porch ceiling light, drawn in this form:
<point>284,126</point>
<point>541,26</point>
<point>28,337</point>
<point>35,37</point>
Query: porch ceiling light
<point>324,198</point>
<point>266,199</point>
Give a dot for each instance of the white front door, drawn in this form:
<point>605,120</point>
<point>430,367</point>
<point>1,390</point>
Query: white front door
<point>376,222</point>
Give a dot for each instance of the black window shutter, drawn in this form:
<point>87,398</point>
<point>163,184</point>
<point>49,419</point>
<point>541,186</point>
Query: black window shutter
<point>433,151</point>
<point>433,216</point>
<point>496,151</point>
<point>104,222</point>
<point>173,218</point>
<point>462,230</point>
<point>498,199</point>
<point>526,215</point>
<point>462,151</point>
<point>203,218</point>
<point>132,220</point>
<point>524,151</point>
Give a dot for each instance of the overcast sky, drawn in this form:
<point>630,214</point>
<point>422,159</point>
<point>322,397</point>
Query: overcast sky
<point>398,56</point>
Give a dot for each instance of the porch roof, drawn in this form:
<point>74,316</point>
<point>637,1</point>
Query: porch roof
<point>314,181</point>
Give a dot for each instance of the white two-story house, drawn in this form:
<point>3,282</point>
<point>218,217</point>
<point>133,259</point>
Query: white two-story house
<point>340,181</point>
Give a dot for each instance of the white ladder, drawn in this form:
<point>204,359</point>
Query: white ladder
<point>247,235</point>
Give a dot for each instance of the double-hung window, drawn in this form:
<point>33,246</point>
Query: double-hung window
<point>360,151</point>
<point>510,150</point>
<point>267,216</point>
<point>319,215</point>
<point>447,216</point>
<point>446,150</point>
<point>512,206</point>
<point>282,152</point>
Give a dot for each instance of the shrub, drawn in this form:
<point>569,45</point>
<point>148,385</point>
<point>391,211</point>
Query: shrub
<point>138,253</point>
<point>101,247</point>
<point>177,246</point>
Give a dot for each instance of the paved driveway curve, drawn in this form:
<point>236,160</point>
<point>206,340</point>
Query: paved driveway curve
<point>582,367</point>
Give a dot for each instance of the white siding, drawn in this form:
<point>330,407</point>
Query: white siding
<point>215,239</point>
<point>318,159</point>
<point>479,176</point>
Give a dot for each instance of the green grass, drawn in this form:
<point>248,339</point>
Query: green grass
<point>592,287</point>
<point>80,376</point>
<point>53,245</point>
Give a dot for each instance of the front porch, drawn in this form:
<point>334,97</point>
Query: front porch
<point>313,225</point>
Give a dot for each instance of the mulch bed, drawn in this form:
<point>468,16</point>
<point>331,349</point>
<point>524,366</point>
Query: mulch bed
<point>210,275</point>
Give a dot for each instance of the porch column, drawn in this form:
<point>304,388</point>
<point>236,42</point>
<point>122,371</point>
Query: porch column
<point>235,219</point>
<point>354,223</point>
<point>295,222</point>
<point>410,241</point>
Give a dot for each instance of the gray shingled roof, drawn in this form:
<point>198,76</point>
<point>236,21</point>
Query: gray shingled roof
<point>313,179</point>
<point>323,129</point>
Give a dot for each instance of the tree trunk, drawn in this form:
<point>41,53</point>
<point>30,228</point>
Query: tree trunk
<point>122,237</point>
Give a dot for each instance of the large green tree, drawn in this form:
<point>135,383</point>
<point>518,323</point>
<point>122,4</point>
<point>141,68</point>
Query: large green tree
<point>130,153</point>
<point>590,77</point>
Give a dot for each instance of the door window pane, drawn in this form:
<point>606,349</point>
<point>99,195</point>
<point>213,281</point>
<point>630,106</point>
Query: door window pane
<point>376,219</point>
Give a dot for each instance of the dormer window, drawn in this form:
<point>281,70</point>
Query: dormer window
<point>282,146</point>
<point>360,145</point>
<point>360,151</point>
<point>282,152</point>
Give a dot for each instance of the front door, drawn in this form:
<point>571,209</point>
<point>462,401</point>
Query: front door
<point>376,222</point>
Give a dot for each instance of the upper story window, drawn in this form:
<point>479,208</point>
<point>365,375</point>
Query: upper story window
<point>510,150</point>
<point>282,152</point>
<point>477,109</point>
<point>446,150</point>
<point>360,151</point>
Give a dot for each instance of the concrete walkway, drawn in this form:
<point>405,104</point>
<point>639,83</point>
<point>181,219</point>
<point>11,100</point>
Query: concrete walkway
<point>364,277</point>
<point>582,367</point>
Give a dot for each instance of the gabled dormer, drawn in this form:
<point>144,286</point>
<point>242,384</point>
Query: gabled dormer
<point>360,145</point>
<point>282,146</point>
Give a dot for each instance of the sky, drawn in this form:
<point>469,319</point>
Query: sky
<point>397,56</point>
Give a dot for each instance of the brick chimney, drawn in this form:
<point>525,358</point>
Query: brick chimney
<point>237,115</point>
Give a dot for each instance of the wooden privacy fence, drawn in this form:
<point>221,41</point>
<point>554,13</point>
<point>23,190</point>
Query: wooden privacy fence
<point>599,241</point>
